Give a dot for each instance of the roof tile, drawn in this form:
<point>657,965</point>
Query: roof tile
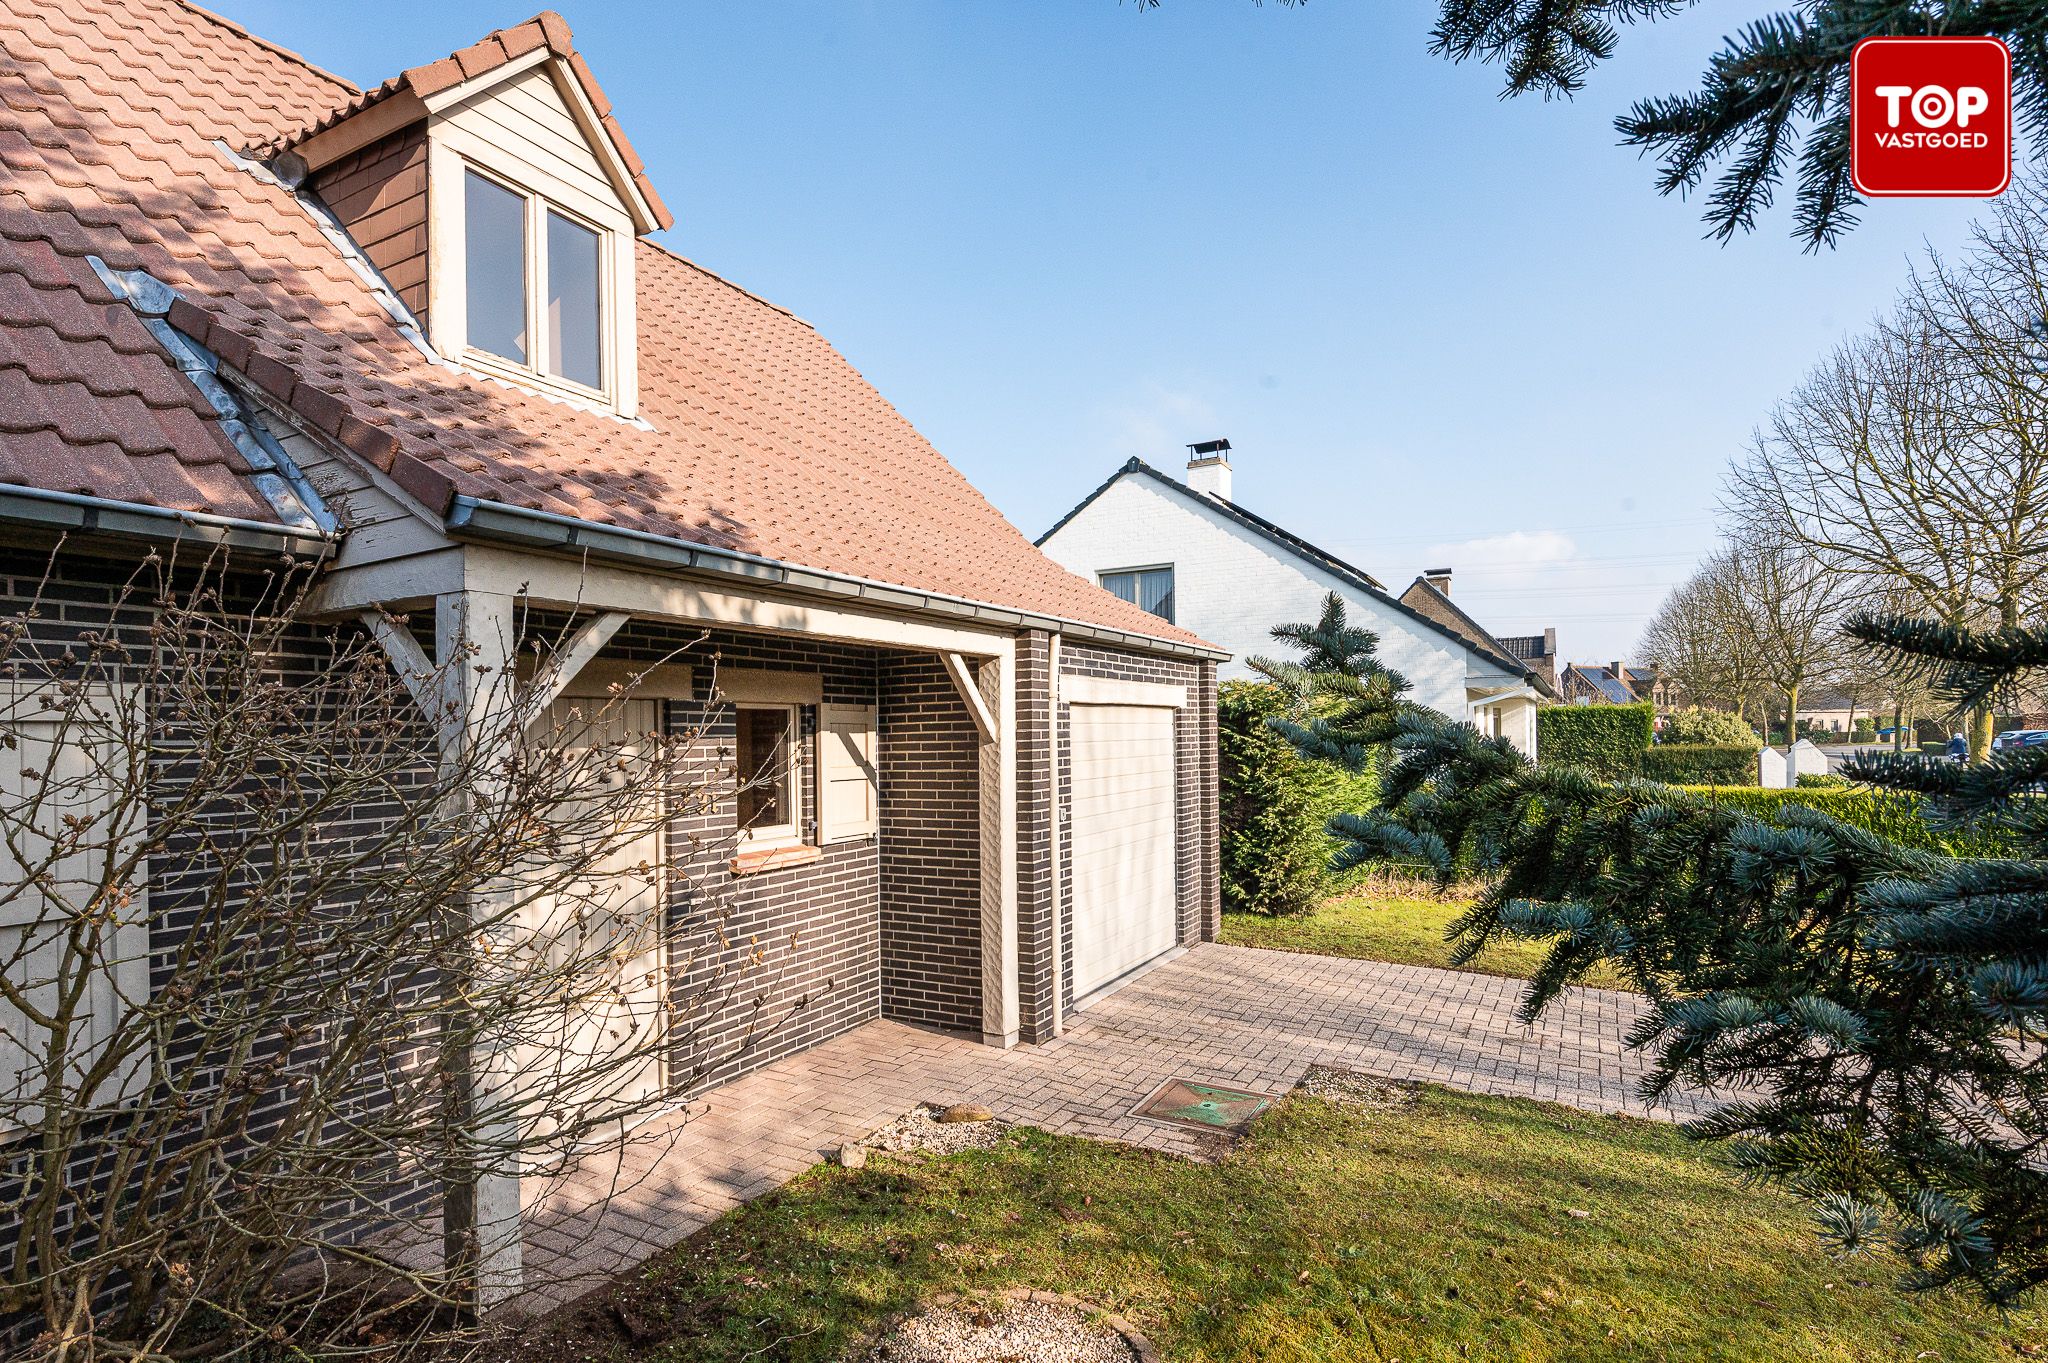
<point>764,439</point>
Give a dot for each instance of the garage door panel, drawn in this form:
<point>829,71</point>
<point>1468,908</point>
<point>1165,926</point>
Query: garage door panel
<point>1121,834</point>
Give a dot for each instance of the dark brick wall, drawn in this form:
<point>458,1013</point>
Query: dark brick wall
<point>91,593</point>
<point>931,847</point>
<point>1037,892</point>
<point>762,965</point>
<point>1196,890</point>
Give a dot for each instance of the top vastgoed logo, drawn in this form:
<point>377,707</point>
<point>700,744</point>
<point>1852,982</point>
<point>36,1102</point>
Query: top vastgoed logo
<point>1930,117</point>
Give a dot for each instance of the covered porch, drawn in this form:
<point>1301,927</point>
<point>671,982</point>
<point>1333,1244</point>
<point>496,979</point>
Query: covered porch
<point>904,871</point>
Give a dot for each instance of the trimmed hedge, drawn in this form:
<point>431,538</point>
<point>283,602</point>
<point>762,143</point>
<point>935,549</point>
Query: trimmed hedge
<point>1275,852</point>
<point>1700,764</point>
<point>1886,813</point>
<point>1692,724</point>
<point>1605,740</point>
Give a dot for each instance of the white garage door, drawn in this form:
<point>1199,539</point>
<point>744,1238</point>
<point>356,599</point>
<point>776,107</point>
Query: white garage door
<point>1121,839</point>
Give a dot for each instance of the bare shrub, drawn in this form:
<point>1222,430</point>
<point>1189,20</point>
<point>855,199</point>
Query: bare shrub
<point>289,960</point>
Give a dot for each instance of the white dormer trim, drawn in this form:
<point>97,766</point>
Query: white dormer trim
<point>571,90</point>
<point>463,136</point>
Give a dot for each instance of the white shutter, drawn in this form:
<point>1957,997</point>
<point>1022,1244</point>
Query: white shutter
<point>849,788</point>
<point>76,777</point>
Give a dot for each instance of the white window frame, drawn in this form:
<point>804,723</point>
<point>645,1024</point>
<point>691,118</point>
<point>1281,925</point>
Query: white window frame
<point>537,206</point>
<point>1173,589</point>
<point>789,832</point>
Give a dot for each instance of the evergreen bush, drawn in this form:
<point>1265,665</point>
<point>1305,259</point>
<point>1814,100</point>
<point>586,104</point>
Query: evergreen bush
<point>1900,818</point>
<point>1602,740</point>
<point>1274,804</point>
<point>1721,728</point>
<point>1872,1013</point>
<point>1700,764</point>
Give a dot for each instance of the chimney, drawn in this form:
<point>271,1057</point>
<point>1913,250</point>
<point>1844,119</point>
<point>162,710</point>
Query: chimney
<point>1209,468</point>
<point>1439,578</point>
<point>1619,675</point>
<point>1550,643</point>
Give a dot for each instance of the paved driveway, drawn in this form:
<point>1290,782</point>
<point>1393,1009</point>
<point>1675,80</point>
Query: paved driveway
<point>1240,1016</point>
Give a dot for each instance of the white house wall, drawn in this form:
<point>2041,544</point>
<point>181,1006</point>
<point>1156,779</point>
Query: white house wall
<point>1231,586</point>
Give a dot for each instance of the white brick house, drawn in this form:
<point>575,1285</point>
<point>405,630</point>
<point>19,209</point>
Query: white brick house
<point>1188,552</point>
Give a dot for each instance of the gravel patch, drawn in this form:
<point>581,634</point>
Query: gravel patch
<point>1023,1331</point>
<point>920,1129</point>
<point>1353,1088</point>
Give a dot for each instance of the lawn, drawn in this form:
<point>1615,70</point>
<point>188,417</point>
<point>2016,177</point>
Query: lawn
<point>1373,925</point>
<point>1448,1228</point>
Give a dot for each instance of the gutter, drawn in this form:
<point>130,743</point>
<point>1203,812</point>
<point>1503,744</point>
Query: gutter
<point>477,519</point>
<point>77,513</point>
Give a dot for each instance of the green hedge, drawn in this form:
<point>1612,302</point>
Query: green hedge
<point>1692,724</point>
<point>1886,813</point>
<point>1700,764</point>
<point>1606,740</point>
<point>1275,854</point>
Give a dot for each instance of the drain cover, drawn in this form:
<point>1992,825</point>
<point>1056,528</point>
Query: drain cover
<point>1203,1106</point>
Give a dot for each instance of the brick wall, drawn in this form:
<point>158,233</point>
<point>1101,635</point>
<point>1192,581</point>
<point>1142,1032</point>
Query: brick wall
<point>931,847</point>
<point>762,965</point>
<point>86,594</point>
<point>1037,890</point>
<point>1196,891</point>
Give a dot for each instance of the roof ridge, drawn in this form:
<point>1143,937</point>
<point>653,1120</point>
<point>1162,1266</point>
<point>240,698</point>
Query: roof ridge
<point>280,49</point>
<point>1295,545</point>
<point>711,274</point>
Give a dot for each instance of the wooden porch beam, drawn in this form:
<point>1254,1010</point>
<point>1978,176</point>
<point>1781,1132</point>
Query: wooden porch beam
<point>564,663</point>
<point>970,693</point>
<point>408,659</point>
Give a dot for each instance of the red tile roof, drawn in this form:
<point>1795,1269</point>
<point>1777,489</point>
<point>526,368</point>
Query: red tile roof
<point>765,439</point>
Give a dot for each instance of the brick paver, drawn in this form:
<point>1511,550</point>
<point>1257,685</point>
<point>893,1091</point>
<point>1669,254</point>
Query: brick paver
<point>1235,1015</point>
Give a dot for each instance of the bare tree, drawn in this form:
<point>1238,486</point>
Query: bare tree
<point>235,998</point>
<point>1790,608</point>
<point>1915,458</point>
<point>1703,636</point>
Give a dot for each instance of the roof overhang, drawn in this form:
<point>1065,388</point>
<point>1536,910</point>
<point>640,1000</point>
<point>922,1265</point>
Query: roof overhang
<point>68,513</point>
<point>471,518</point>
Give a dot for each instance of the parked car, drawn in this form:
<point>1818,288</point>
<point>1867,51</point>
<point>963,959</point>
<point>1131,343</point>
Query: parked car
<point>2019,738</point>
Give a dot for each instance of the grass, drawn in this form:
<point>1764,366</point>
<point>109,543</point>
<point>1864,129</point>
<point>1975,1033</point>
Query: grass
<point>1376,925</point>
<point>1442,1229</point>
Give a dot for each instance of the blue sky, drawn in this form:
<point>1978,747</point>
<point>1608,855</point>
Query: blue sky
<point>1440,329</point>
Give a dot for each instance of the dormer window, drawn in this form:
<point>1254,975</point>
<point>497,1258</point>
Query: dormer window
<point>507,283</point>
<point>498,198</point>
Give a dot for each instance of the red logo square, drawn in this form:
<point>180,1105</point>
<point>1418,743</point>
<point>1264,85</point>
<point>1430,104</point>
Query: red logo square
<point>1930,117</point>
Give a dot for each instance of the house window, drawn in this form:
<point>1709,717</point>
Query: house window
<point>574,348</point>
<point>495,262</point>
<point>506,281</point>
<point>1149,588</point>
<point>766,748</point>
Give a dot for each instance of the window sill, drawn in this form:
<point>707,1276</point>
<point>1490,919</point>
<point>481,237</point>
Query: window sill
<point>761,859</point>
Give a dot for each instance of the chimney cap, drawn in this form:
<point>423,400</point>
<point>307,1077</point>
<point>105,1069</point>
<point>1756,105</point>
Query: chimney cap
<point>1209,449</point>
<point>1436,572</point>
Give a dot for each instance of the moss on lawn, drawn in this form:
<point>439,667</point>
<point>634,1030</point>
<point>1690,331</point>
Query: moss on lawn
<point>1439,1230</point>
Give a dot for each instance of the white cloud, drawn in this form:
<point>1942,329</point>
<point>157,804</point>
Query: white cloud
<point>1155,422</point>
<point>1501,558</point>
<point>1526,580</point>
